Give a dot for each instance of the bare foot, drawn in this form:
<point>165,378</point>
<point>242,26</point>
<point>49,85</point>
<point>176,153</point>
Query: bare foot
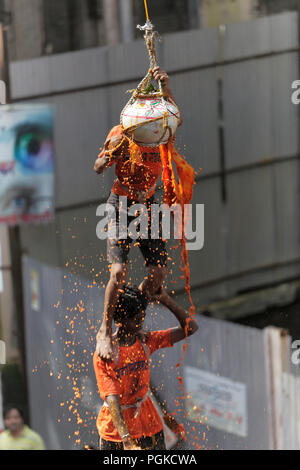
<point>104,347</point>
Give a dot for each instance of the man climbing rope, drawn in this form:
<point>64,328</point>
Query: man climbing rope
<point>137,183</point>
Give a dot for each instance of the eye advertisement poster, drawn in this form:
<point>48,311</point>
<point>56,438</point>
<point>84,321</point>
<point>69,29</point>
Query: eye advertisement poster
<point>26,164</point>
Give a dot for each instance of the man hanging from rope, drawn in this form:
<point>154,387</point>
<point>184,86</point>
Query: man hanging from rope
<point>128,420</point>
<point>136,182</point>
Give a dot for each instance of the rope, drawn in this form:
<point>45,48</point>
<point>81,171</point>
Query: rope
<point>146,9</point>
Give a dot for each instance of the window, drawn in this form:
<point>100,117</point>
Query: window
<point>166,15</point>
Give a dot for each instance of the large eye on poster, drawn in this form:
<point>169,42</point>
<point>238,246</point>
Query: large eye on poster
<point>26,164</point>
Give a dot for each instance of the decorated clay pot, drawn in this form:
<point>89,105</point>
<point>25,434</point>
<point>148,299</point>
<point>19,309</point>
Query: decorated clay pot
<point>150,121</point>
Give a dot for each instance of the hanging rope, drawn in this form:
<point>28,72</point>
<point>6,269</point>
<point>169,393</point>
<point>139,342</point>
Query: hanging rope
<point>146,10</point>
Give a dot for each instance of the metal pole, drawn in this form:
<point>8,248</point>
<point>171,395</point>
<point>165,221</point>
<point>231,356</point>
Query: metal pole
<point>111,15</point>
<point>14,232</point>
<point>126,20</point>
<point>4,69</point>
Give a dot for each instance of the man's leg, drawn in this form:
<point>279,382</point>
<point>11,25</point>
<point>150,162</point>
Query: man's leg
<point>117,255</point>
<point>116,282</point>
<point>154,251</point>
<point>155,254</point>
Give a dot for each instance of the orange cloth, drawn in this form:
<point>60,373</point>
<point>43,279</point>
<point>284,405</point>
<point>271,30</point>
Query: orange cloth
<point>130,379</point>
<point>180,192</point>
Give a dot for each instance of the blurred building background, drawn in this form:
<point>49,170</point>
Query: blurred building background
<point>43,27</point>
<point>232,63</point>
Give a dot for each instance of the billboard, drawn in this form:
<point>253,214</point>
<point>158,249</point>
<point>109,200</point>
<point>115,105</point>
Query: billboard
<point>219,401</point>
<point>26,164</point>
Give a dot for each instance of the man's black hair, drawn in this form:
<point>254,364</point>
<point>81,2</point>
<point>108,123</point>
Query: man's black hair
<point>8,409</point>
<point>131,302</point>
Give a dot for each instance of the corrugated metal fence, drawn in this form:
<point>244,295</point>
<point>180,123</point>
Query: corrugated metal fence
<point>241,390</point>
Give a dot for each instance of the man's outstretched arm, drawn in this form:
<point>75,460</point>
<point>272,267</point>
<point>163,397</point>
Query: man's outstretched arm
<point>159,74</point>
<point>101,164</point>
<point>112,151</point>
<point>188,326</point>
